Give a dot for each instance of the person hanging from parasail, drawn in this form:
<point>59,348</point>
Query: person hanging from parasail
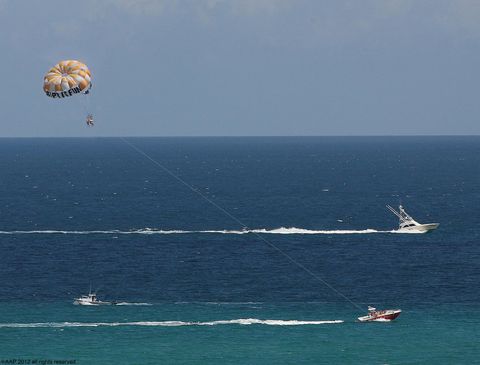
<point>68,78</point>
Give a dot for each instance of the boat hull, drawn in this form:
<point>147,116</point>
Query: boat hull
<point>85,302</point>
<point>421,228</point>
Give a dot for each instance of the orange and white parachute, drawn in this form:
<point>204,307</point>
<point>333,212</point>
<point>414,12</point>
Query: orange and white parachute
<point>67,78</point>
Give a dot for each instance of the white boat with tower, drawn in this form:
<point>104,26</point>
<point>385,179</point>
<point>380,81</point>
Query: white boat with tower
<point>409,225</point>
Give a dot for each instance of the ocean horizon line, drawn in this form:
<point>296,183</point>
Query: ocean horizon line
<point>253,136</point>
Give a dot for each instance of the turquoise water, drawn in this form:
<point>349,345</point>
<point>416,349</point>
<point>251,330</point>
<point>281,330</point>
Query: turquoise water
<point>195,287</point>
<point>427,335</point>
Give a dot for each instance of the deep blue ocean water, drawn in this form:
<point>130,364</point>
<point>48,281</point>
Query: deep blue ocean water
<point>76,213</point>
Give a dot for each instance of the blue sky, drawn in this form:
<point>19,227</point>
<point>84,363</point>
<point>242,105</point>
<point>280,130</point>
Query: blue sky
<point>245,67</point>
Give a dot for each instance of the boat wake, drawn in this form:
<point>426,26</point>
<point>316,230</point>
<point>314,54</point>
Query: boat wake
<point>127,303</point>
<point>153,231</point>
<point>241,321</point>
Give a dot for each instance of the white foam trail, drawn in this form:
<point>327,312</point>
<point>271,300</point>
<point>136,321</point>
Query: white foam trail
<point>411,231</point>
<point>241,321</point>
<point>294,230</point>
<point>127,303</point>
<point>150,231</point>
<point>53,231</point>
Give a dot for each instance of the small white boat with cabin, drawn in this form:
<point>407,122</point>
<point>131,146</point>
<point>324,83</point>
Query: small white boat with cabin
<point>409,225</point>
<point>91,299</point>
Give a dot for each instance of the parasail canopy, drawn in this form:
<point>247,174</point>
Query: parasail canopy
<point>67,78</point>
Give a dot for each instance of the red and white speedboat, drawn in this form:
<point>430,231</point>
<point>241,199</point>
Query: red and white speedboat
<point>375,315</point>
